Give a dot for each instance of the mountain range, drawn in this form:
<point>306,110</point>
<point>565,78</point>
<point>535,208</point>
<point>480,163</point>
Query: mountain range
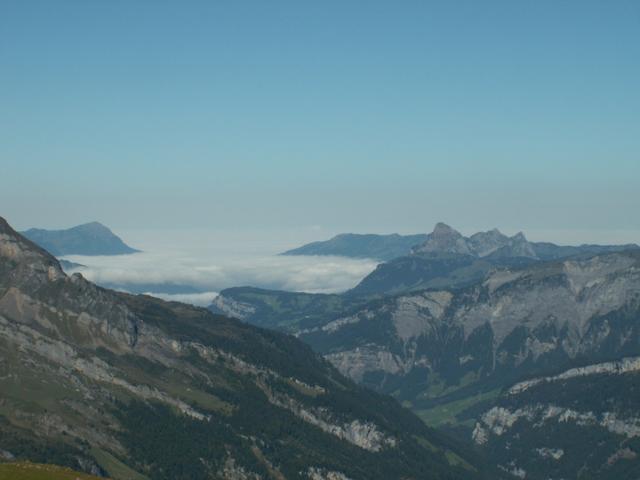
<point>87,239</point>
<point>380,247</point>
<point>530,350</point>
<point>444,239</point>
<point>448,259</point>
<point>134,387</point>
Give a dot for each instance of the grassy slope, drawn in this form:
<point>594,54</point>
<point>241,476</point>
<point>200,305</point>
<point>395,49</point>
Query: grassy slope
<point>36,471</point>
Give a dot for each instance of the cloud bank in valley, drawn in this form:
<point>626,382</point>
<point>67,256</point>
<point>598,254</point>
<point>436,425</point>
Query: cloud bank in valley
<point>193,268</point>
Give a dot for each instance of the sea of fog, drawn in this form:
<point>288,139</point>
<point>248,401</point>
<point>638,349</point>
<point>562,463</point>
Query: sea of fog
<point>193,265</point>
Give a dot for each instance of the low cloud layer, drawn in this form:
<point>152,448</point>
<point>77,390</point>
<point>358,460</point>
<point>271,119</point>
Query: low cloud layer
<point>197,268</point>
<point>307,274</point>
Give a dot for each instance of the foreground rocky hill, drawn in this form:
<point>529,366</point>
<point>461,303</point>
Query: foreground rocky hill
<point>134,387</point>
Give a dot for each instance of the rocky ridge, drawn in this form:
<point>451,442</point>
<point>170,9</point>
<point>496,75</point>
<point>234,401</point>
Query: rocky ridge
<point>444,239</point>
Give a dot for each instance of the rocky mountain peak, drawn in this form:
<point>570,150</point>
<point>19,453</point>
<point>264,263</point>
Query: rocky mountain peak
<point>519,237</point>
<point>29,275</point>
<point>444,239</point>
<point>95,228</point>
<point>485,243</point>
<point>30,259</point>
<point>447,240</point>
<point>519,246</point>
<point>442,229</point>
<point>4,226</point>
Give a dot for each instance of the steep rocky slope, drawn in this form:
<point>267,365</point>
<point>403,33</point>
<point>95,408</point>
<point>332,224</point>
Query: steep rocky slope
<point>444,239</point>
<point>139,388</point>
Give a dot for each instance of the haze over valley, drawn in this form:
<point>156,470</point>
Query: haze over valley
<point>194,265</point>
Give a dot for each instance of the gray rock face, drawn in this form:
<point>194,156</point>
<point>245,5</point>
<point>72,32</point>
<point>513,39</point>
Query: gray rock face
<point>4,455</point>
<point>485,243</point>
<point>232,308</point>
<point>445,239</point>
<point>323,474</point>
<point>619,367</point>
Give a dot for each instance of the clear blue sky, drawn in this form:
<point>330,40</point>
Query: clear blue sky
<point>352,115</point>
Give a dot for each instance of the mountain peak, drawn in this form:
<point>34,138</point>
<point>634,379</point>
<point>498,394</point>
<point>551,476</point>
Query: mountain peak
<point>485,243</point>
<point>442,228</point>
<point>13,245</point>
<point>447,240</point>
<point>5,228</point>
<point>33,263</point>
<point>91,238</point>
<point>444,239</point>
<point>94,226</point>
<point>519,237</point>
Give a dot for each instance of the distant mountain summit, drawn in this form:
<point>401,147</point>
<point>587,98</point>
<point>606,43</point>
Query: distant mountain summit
<point>87,239</point>
<point>448,259</point>
<point>445,239</point>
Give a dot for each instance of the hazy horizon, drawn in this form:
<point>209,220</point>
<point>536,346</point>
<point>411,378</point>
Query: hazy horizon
<point>202,262</point>
<point>278,239</point>
<point>351,117</point>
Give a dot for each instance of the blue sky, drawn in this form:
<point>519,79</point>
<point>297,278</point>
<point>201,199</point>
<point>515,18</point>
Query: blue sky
<point>349,115</point>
